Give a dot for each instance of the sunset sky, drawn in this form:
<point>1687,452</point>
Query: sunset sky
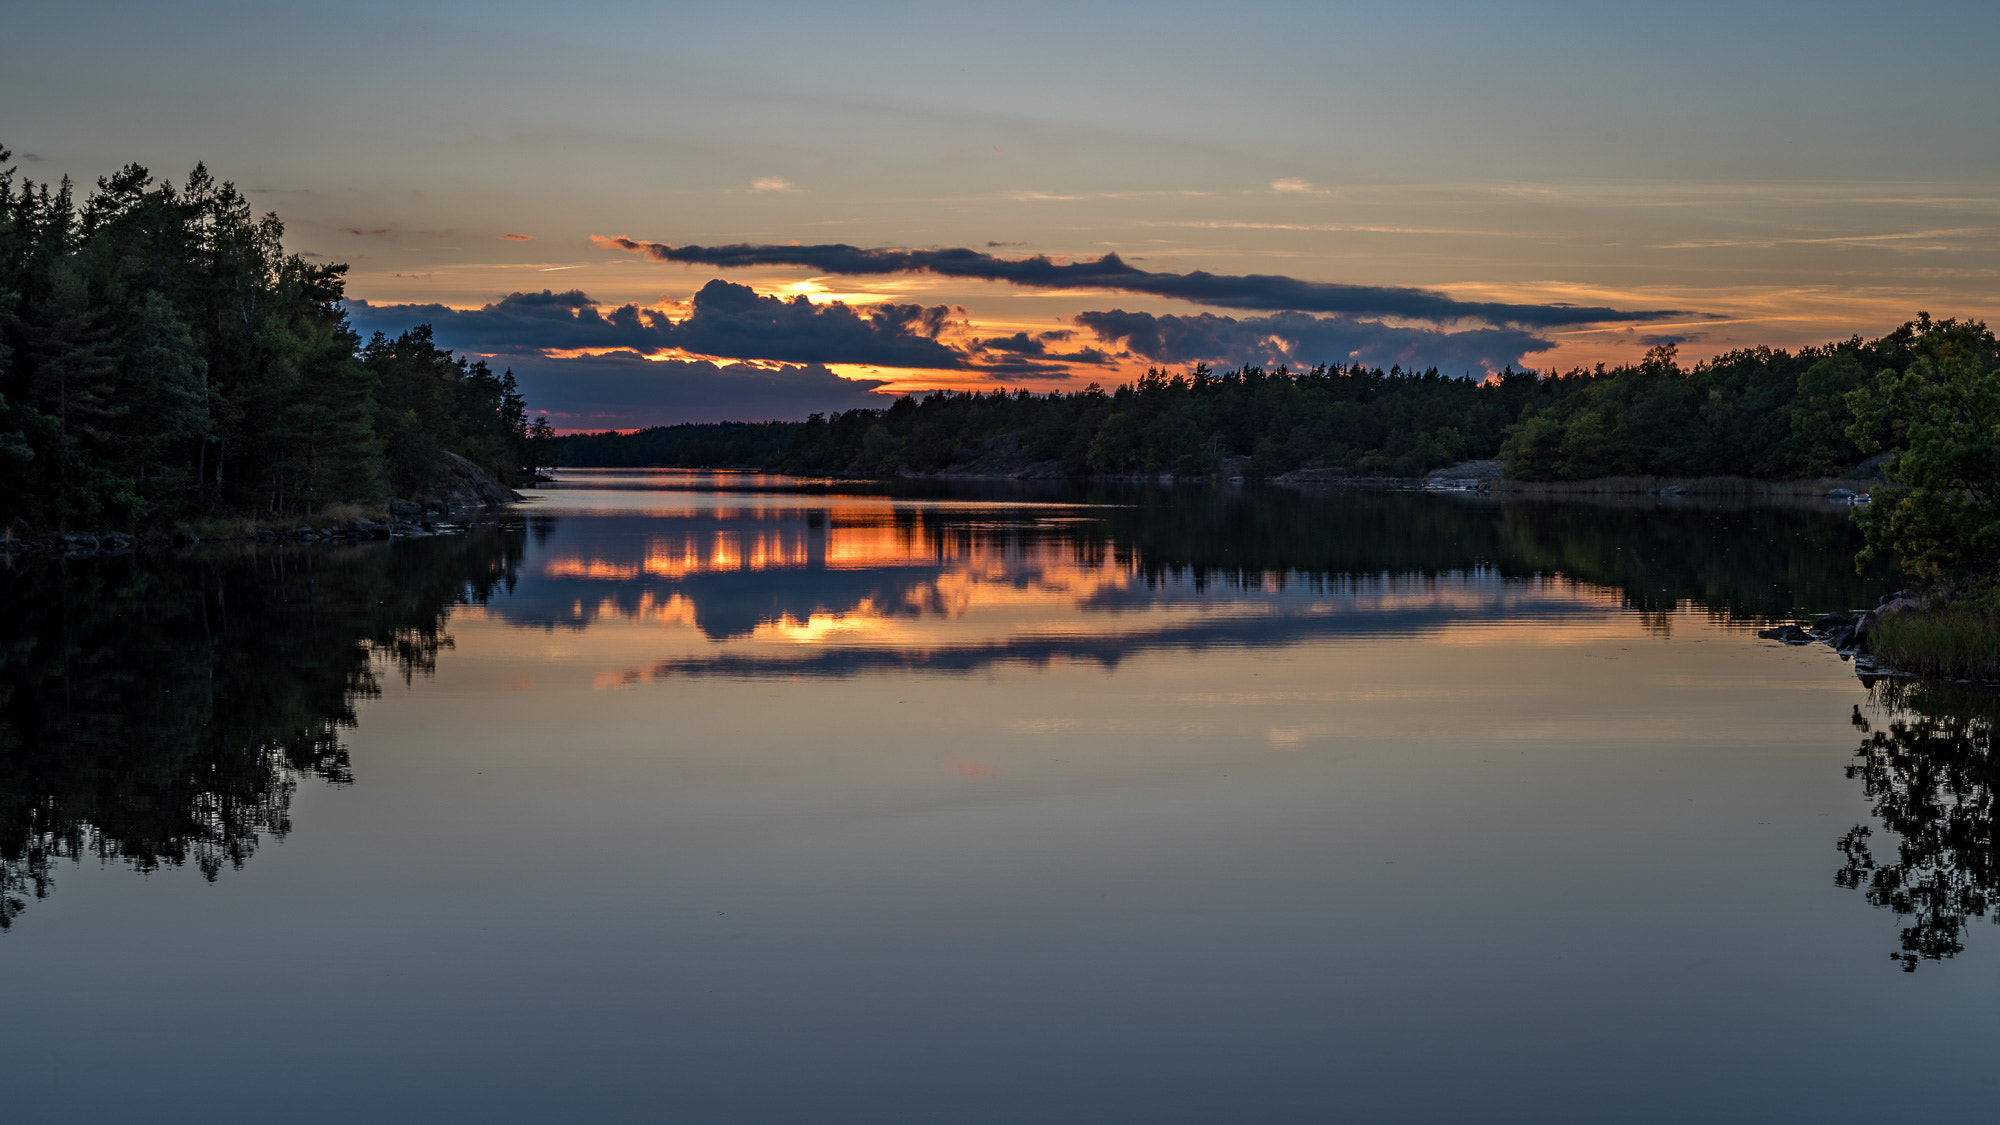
<point>658,213</point>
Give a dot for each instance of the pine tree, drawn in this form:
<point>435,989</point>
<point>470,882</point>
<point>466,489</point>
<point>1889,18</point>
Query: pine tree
<point>74,365</point>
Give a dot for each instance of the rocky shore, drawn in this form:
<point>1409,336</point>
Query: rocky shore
<point>1849,634</point>
<point>465,496</point>
<point>1001,458</point>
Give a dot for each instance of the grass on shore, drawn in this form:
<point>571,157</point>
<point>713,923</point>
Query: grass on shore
<point>1954,641</point>
<point>1693,486</point>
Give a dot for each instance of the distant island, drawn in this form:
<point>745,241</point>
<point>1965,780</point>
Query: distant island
<point>1761,413</point>
<point>1917,409</point>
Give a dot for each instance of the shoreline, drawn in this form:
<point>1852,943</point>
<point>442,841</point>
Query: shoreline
<point>1906,637</point>
<point>467,495</point>
<point>1471,476</point>
<point>82,545</point>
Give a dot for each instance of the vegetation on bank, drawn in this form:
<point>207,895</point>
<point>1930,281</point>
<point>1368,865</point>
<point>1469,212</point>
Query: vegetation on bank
<point>1760,412</point>
<point>163,359</point>
<point>1946,640</point>
<point>1938,512</point>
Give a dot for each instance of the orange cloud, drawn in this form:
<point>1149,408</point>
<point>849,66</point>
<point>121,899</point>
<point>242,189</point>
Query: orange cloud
<point>518,237</point>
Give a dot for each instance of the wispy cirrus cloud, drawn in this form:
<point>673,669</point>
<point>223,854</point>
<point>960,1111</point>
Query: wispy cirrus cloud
<point>1263,292</point>
<point>1952,238</point>
<point>773,183</point>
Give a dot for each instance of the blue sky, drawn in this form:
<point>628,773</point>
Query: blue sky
<point>1783,173</point>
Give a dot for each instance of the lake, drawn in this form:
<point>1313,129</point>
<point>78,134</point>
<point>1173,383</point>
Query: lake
<point>723,797</point>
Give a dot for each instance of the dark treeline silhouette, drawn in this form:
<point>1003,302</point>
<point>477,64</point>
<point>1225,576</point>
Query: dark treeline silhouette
<point>161,712</point>
<point>162,358</point>
<point>1928,765</point>
<point>1757,412</point>
<point>728,445</point>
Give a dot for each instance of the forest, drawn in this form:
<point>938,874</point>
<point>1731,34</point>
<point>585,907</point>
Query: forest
<point>164,359</point>
<point>1758,412</point>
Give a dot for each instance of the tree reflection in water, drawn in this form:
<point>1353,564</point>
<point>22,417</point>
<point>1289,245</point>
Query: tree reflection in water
<point>161,712</point>
<point>1927,765</point>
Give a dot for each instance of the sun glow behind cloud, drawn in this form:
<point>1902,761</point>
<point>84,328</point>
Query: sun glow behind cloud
<point>1874,278</point>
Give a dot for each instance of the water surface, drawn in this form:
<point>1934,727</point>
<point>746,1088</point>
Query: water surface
<point>687,797</point>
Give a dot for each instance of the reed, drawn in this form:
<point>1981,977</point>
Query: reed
<point>1954,641</point>
<point>1691,486</point>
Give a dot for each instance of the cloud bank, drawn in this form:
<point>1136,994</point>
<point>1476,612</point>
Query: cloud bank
<point>1304,341</point>
<point>725,320</point>
<point>745,355</point>
<point>623,390</point>
<point>1262,292</point>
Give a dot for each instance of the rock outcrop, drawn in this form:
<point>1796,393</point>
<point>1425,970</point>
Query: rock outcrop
<point>464,494</point>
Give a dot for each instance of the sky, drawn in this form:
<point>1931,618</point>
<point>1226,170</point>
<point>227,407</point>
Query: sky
<point>656,213</point>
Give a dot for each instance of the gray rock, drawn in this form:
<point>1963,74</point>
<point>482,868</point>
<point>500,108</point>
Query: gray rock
<point>1789,634</point>
<point>1864,626</point>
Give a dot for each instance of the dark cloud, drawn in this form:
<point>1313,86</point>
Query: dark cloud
<point>1249,291</point>
<point>1020,343</point>
<point>1665,341</point>
<point>622,389</point>
<point>1022,354</point>
<point>726,320</point>
<point>1057,335</point>
<point>1303,341</point>
<point>735,321</point>
<point>1015,367</point>
<point>372,232</point>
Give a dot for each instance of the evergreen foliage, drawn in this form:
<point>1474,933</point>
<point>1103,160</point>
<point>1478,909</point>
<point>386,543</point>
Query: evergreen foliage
<point>1759,412</point>
<point>162,357</point>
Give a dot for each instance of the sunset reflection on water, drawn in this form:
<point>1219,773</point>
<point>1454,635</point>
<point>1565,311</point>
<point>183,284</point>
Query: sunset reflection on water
<point>743,583</point>
<point>1277,795</point>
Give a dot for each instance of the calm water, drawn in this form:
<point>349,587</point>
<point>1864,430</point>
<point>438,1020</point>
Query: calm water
<point>719,799</point>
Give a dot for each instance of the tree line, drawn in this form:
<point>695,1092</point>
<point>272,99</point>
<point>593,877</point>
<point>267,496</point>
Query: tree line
<point>1756,412</point>
<point>164,358</point>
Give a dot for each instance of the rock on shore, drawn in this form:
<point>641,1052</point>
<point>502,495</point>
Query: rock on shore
<point>465,493</point>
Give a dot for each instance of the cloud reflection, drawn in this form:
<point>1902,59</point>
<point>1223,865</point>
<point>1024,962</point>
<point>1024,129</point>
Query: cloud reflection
<point>776,583</point>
